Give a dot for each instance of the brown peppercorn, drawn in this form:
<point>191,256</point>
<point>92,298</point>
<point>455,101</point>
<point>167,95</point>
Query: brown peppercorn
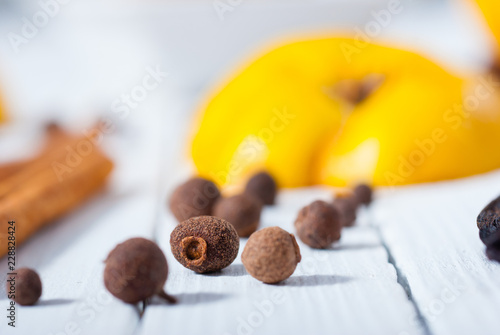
<point>488,221</point>
<point>493,246</point>
<point>136,270</point>
<point>196,197</point>
<point>347,205</point>
<point>363,193</point>
<point>205,244</point>
<point>242,211</point>
<point>271,255</point>
<point>319,225</point>
<point>26,288</point>
<point>262,186</point>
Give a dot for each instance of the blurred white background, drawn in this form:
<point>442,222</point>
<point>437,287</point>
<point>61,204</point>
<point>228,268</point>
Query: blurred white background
<point>92,51</point>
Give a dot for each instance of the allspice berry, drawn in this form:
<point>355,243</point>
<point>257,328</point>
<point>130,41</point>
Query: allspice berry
<point>205,244</point>
<point>25,287</point>
<point>271,255</point>
<point>319,225</point>
<point>493,246</point>
<point>263,186</point>
<point>488,220</point>
<point>242,211</point>
<point>136,270</point>
<point>196,197</point>
<point>347,205</point>
<point>363,193</point>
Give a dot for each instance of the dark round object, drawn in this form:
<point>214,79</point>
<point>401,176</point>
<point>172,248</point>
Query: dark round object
<point>319,225</point>
<point>242,211</point>
<point>487,221</point>
<point>347,207</point>
<point>262,186</point>
<point>205,244</point>
<point>196,197</point>
<point>136,270</point>
<point>493,246</point>
<point>271,255</point>
<point>27,287</point>
<point>363,193</point>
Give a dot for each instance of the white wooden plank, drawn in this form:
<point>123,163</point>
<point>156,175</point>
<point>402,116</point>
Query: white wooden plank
<point>432,234</point>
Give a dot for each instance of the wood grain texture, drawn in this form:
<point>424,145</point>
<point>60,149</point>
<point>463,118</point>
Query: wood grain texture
<point>432,234</point>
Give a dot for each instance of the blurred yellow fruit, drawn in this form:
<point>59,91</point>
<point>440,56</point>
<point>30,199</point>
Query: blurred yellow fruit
<point>491,11</point>
<point>2,115</point>
<point>415,130</point>
<point>274,114</point>
<point>338,111</point>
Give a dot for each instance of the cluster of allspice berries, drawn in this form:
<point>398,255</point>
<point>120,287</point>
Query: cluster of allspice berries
<point>320,223</point>
<point>207,237</point>
<point>201,197</point>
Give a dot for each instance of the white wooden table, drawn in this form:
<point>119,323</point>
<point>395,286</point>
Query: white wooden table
<point>413,264</point>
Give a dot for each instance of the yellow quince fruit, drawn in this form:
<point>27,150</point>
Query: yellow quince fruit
<point>491,12</point>
<point>2,115</point>
<point>338,111</point>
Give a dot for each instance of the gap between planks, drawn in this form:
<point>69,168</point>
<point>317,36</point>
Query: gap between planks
<point>403,281</point>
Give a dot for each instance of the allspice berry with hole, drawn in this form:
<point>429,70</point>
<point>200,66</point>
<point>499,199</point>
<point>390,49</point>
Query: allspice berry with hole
<point>242,211</point>
<point>136,270</point>
<point>205,244</point>
<point>363,193</point>
<point>319,225</point>
<point>271,255</point>
<point>263,186</point>
<point>25,288</point>
<point>196,197</point>
<point>347,205</point>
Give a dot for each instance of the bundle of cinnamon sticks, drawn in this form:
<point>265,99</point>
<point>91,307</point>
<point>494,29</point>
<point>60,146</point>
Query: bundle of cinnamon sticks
<point>35,192</point>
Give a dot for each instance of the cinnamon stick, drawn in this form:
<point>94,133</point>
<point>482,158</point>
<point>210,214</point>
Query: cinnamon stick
<point>39,194</point>
<point>8,169</point>
<point>55,137</point>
